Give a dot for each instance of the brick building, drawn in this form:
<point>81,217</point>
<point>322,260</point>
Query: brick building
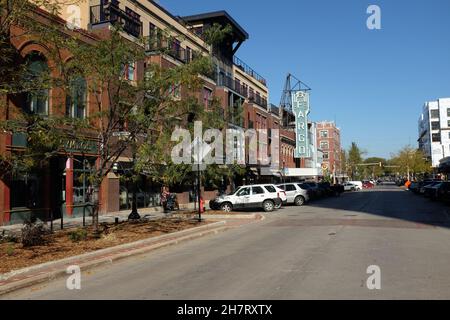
<point>329,141</point>
<point>242,91</point>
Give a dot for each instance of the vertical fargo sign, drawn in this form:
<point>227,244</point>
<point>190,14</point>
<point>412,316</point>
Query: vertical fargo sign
<point>300,107</point>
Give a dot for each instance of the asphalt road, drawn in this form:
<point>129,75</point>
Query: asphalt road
<point>318,251</point>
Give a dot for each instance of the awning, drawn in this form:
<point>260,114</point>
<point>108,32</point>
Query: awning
<point>303,172</point>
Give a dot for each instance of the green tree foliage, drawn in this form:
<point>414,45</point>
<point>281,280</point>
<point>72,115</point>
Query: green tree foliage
<point>412,161</point>
<point>355,157</point>
<point>132,118</point>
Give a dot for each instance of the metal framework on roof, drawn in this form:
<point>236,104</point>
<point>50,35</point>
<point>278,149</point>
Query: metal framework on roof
<point>292,85</point>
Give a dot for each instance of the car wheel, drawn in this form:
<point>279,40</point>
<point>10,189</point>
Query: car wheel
<point>299,201</point>
<point>268,206</point>
<point>227,207</point>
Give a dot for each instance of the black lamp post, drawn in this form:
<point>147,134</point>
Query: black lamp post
<point>134,215</point>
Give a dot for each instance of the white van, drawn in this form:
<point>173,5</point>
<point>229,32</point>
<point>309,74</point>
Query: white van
<point>358,184</point>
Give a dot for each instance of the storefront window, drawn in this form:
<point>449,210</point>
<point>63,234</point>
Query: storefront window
<point>25,190</point>
<point>81,184</point>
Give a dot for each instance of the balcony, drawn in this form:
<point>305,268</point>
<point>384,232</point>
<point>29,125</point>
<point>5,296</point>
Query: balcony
<point>244,67</point>
<point>111,13</point>
<point>158,44</point>
<point>259,101</point>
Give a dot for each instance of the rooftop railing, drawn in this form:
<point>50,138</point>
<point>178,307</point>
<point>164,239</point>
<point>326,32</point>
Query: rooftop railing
<point>244,67</point>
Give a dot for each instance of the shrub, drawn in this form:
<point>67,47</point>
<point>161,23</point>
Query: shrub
<point>33,234</point>
<point>78,235</point>
<point>8,237</point>
<point>10,250</point>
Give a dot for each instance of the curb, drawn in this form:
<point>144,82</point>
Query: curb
<point>105,256</point>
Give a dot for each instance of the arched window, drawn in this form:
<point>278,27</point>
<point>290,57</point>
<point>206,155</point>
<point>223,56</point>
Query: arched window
<point>37,78</point>
<point>76,98</point>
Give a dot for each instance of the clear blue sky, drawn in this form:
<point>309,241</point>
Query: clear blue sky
<point>373,82</point>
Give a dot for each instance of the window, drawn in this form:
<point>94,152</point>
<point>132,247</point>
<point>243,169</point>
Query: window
<point>25,191</point>
<point>129,71</point>
<point>245,90</point>
<point>174,91</point>
<point>290,187</point>
<point>436,137</point>
<point>325,156</point>
<point>207,93</point>
<point>243,192</point>
<point>324,145</point>
<point>434,113</point>
<point>251,94</point>
<point>188,54</point>
<point>257,190</point>
<point>448,123</point>
<point>37,100</point>
<point>324,133</point>
<point>435,125</point>
<point>448,112</point>
<point>76,99</point>
<point>270,188</point>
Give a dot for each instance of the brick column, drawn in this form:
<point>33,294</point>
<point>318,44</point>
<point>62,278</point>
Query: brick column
<point>6,190</point>
<point>69,187</point>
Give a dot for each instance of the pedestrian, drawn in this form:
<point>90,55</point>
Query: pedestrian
<point>164,197</point>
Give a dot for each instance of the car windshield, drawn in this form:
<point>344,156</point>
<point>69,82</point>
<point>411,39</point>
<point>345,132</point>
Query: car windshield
<point>233,192</point>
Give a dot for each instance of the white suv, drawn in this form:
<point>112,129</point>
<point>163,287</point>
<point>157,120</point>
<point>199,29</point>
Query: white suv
<point>295,193</point>
<point>265,196</point>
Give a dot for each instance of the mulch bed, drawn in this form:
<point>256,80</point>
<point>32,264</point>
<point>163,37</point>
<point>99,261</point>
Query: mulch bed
<point>59,245</point>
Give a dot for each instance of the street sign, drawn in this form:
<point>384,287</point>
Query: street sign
<point>300,107</point>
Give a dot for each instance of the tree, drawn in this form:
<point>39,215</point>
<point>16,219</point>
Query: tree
<point>354,158</point>
<point>411,162</point>
<point>375,169</point>
<point>132,117</point>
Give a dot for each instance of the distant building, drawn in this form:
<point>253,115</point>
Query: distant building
<point>434,130</point>
<point>329,141</point>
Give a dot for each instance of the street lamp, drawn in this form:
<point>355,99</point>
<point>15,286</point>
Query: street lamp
<point>134,215</point>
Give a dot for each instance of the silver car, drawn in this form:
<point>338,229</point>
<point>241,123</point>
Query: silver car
<point>295,194</point>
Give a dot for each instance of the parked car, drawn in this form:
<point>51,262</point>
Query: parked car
<point>295,194</point>
<point>367,185</point>
<point>337,189</point>
<point>439,191</point>
<point>264,196</point>
<point>315,191</point>
<point>308,188</point>
<point>283,197</point>
<point>428,189</point>
<point>443,192</point>
<point>414,187</point>
<point>358,184</point>
<point>326,188</point>
<point>349,186</point>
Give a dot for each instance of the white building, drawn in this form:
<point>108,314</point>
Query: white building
<point>434,130</point>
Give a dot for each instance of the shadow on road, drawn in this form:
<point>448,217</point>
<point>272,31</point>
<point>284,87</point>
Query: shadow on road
<point>389,202</point>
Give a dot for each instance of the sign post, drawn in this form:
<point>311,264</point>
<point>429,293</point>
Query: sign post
<point>201,149</point>
<point>300,107</point>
